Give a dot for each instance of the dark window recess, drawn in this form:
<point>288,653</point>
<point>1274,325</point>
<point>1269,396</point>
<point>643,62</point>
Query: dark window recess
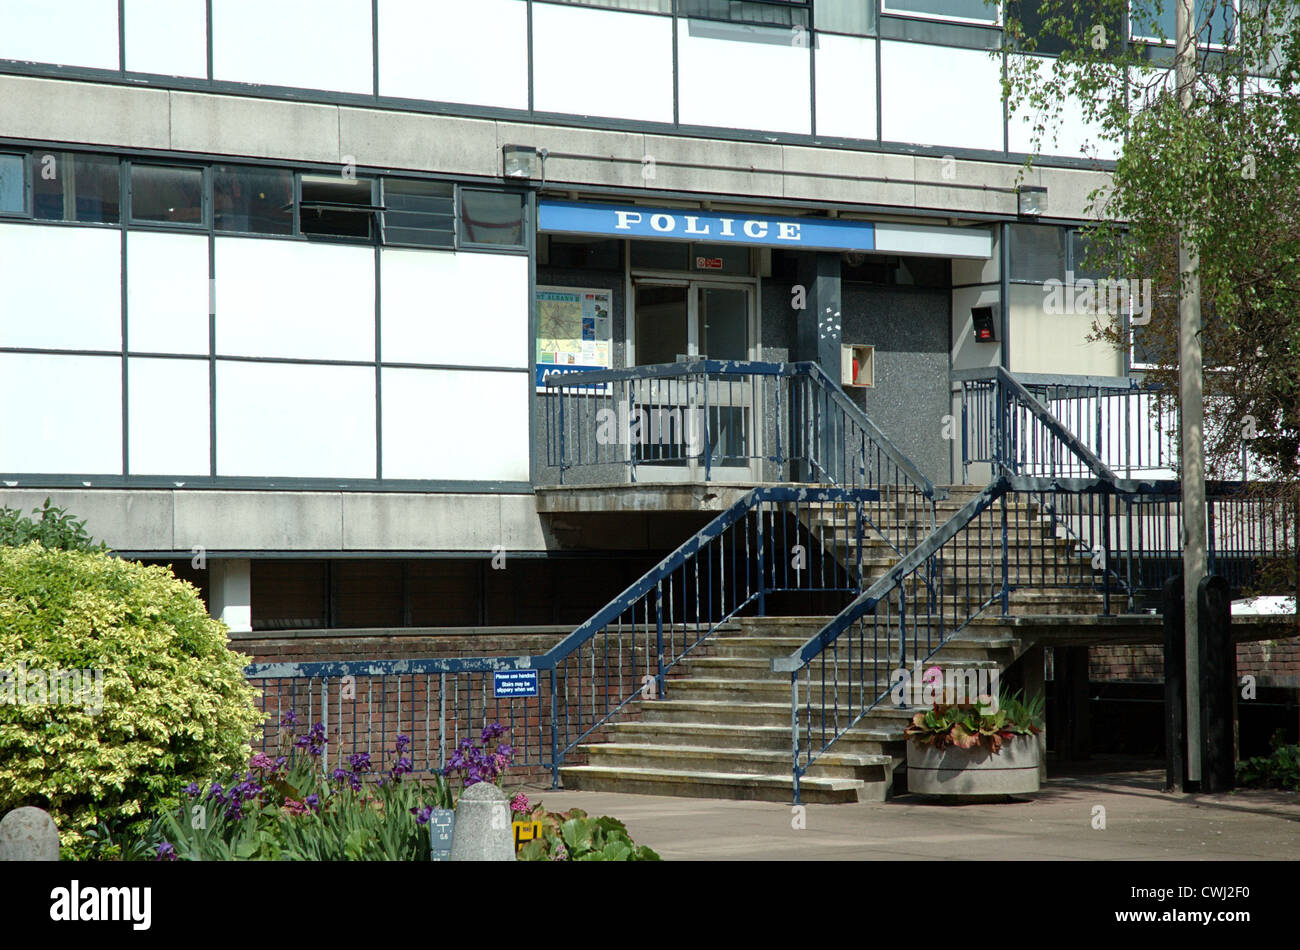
<point>925,272</point>
<point>12,200</point>
<point>334,206</point>
<point>71,187</point>
<point>252,200</point>
<point>419,213</point>
<point>491,217</point>
<point>661,255</point>
<point>166,194</point>
<point>557,250</point>
<point>785,13</point>
<point>1037,252</point>
<point>1081,14</point>
<point>290,594</point>
<point>1078,261</point>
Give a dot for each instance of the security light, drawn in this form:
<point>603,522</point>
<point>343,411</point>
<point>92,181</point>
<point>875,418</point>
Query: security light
<point>524,162</point>
<point>1031,201</point>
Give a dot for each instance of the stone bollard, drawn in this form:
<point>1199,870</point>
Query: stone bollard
<point>28,834</point>
<point>483,830</point>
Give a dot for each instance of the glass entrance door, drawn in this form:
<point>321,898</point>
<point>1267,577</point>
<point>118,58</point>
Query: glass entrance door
<point>696,320</point>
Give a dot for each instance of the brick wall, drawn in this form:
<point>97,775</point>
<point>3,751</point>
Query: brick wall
<point>1271,662</point>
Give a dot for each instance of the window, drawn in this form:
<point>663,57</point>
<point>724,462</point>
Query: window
<point>419,213</point>
<point>71,187</point>
<point>12,185</point>
<point>638,6</point>
<point>720,259</point>
<point>253,200</point>
<point>978,11</point>
<point>845,16</point>
<point>1037,252</point>
<point>787,13</point>
<point>166,194</point>
<point>335,206</point>
<point>1082,15</point>
<point>1215,20</point>
<point>491,217</point>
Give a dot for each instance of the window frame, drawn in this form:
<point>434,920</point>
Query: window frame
<point>374,210</point>
<point>382,235</point>
<point>218,231</point>
<point>205,196</point>
<point>73,221</point>
<point>24,182</point>
<point>882,9</point>
<point>1172,41</point>
<point>462,242</point>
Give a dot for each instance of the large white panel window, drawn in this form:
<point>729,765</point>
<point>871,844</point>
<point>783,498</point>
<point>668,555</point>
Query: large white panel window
<point>67,32</point>
<point>61,287</point>
<point>1065,134</point>
<point>452,51</point>
<point>635,81</point>
<point>167,292</point>
<point>456,309</point>
<point>295,299</point>
<point>313,44</point>
<point>935,95</point>
<point>169,37</point>
<point>846,86</point>
<point>455,424</point>
<point>168,417</point>
<point>742,77</point>
<point>60,414</point>
<point>290,420</point>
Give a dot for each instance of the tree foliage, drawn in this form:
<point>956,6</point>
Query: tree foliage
<point>1224,172</point>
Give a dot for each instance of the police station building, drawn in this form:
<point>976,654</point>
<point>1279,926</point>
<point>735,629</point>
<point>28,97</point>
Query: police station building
<point>281,281</point>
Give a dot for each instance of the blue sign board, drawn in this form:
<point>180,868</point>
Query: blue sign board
<point>511,684</point>
<point>559,369</point>
<point>709,227</point>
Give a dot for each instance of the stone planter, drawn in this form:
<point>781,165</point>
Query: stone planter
<point>974,773</point>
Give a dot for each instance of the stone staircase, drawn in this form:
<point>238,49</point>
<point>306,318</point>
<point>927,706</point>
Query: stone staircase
<point>724,731</point>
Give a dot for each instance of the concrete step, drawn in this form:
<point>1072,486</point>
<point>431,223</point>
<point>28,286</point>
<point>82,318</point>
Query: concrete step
<point>756,668</point>
<point>834,763</point>
<point>714,784</point>
<point>749,736</point>
<point>886,721</point>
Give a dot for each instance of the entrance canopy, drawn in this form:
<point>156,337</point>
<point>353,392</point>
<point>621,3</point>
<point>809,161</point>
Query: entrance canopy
<point>761,230</point>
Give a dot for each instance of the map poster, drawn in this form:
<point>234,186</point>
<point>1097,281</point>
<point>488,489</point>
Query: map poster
<point>574,331</point>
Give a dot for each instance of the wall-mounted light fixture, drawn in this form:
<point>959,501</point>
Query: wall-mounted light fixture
<point>524,162</point>
<point>1031,201</point>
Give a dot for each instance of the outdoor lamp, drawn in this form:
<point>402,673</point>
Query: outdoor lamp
<point>524,162</point>
<point>1031,200</point>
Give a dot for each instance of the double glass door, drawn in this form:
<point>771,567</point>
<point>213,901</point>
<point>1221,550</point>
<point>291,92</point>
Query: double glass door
<point>679,320</point>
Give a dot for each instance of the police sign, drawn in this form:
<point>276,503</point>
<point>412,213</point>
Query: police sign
<point>716,227</point>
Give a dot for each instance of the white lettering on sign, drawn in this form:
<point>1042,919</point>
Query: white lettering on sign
<point>755,229</point>
<point>787,231</point>
<point>726,227</point>
<point>662,222</point>
<point>693,226</point>
<point>626,219</point>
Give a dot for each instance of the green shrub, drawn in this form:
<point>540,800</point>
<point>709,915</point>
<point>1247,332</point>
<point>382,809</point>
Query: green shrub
<point>574,836</point>
<point>55,529</point>
<point>162,700</point>
<point>1279,769</point>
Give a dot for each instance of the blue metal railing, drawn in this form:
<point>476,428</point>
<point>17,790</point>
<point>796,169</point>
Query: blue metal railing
<point>742,421</point>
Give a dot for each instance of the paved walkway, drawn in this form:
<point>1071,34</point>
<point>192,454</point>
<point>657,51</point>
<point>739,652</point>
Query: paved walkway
<point>1141,823</point>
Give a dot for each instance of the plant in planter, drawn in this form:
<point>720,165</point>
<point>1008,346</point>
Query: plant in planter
<point>975,749</point>
<point>575,836</point>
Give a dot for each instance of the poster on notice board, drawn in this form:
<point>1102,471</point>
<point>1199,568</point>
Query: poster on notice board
<point>574,331</point>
